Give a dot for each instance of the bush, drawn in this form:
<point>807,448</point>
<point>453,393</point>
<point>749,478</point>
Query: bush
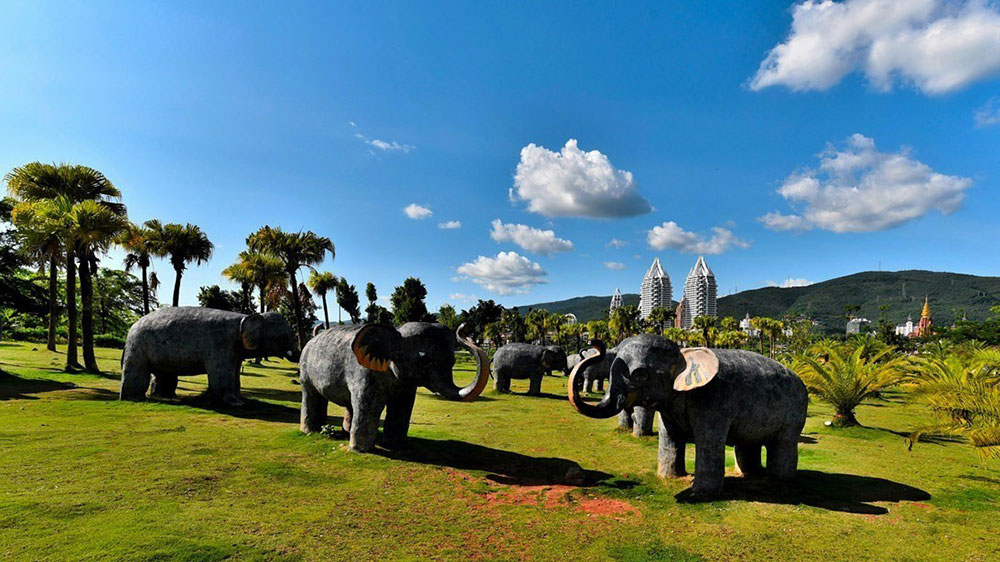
<point>109,340</point>
<point>33,335</point>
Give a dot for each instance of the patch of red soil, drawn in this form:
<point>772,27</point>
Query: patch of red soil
<point>605,506</point>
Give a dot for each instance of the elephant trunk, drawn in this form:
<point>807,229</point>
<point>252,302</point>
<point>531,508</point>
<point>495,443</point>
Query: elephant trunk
<point>474,388</point>
<point>615,399</point>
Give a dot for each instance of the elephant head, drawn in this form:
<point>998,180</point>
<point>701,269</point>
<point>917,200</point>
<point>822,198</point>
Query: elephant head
<point>554,359</point>
<point>268,335</point>
<point>422,353</point>
<point>648,369</point>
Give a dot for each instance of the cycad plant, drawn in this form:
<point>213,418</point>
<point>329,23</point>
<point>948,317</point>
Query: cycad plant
<point>845,378</point>
<point>962,389</point>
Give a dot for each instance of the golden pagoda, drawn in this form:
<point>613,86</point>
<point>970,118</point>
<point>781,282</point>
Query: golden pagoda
<point>924,326</point>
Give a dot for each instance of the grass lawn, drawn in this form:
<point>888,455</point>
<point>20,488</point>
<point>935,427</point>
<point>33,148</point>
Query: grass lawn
<point>84,476</point>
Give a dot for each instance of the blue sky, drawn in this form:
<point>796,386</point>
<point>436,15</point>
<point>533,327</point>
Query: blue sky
<point>863,138</point>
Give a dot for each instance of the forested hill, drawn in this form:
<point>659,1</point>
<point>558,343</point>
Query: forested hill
<point>902,291</point>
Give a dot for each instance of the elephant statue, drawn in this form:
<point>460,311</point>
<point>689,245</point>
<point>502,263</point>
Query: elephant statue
<point>637,419</point>
<point>373,367</point>
<point>526,361</point>
<point>189,340</point>
<point>711,397</point>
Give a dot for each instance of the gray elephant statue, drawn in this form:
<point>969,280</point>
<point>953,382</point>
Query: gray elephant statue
<point>526,361</point>
<point>188,340</point>
<point>373,367</point>
<point>637,419</point>
<point>711,397</point>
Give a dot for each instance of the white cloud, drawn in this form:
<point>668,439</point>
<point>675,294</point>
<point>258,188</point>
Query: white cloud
<point>531,239</point>
<point>791,282</point>
<point>614,265</point>
<point>574,183</point>
<point>385,146</point>
<point>507,274</point>
<point>462,297</point>
<point>616,243</point>
<point>670,235</point>
<point>937,45</point>
<point>417,212</point>
<point>989,114</point>
<point>450,225</point>
<point>860,189</point>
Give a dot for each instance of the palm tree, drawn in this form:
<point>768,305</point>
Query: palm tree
<point>183,244</point>
<point>844,378</point>
<point>962,389</point>
<point>41,236</point>
<point>238,273</point>
<point>95,227</point>
<point>138,244</point>
<point>709,326</point>
<point>295,250</point>
<point>65,185</point>
<point>321,284</point>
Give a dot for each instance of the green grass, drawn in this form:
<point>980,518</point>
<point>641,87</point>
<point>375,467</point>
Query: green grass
<point>84,476</point>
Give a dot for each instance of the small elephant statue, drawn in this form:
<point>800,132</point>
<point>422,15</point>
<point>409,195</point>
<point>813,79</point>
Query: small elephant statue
<point>711,397</point>
<point>526,361</point>
<point>189,340</point>
<point>373,367</point>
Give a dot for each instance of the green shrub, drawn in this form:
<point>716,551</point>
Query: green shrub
<point>109,340</point>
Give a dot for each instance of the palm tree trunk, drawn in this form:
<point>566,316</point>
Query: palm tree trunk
<point>326,317</point>
<point>297,308</point>
<point>262,295</point>
<point>145,291</point>
<point>72,362</point>
<point>177,286</point>
<point>53,303</point>
<point>87,315</point>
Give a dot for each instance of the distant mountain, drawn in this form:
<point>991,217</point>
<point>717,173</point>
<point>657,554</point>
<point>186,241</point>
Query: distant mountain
<point>902,291</point>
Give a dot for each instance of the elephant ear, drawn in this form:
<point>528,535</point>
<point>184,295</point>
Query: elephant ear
<point>548,358</point>
<point>375,345</point>
<point>251,331</point>
<point>701,367</point>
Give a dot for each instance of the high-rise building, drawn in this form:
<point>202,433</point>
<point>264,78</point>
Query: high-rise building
<point>616,301</point>
<point>699,293</point>
<point>656,291</point>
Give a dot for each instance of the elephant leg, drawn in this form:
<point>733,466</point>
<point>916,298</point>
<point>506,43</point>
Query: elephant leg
<point>748,459</point>
<point>237,383</point>
<point>398,411</point>
<point>670,461</point>
<point>783,458</point>
<point>364,421</point>
<point>709,460</point>
<point>314,407</point>
<point>501,383</point>
<point>600,384</point>
<point>642,421</point>
<point>348,413</point>
<point>535,385</point>
<point>625,421</point>
<point>135,379</point>
<point>164,386</point>
<point>221,383</point>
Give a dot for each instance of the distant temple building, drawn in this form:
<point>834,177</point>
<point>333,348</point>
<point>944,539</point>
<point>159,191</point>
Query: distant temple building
<point>747,327</point>
<point>921,328</point>
<point>699,293</point>
<point>616,301</point>
<point>656,291</point>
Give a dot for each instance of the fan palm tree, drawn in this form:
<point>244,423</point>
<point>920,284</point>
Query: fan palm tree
<point>183,244</point>
<point>321,284</point>
<point>140,250</point>
<point>295,250</point>
<point>844,378</point>
<point>65,185</point>
<point>265,272</point>
<point>238,273</point>
<point>95,227</point>
<point>41,236</point>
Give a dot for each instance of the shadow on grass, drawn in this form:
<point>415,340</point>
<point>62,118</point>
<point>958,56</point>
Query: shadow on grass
<point>15,388</point>
<point>277,394</point>
<point>502,467</point>
<point>251,409</point>
<point>925,438</point>
<point>847,493</point>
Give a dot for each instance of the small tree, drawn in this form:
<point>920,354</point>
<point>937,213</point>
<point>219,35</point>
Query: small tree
<point>321,284</point>
<point>408,302</point>
<point>447,316</point>
<point>514,325</point>
<point>844,379</point>
<point>212,296</point>
<point>347,299</point>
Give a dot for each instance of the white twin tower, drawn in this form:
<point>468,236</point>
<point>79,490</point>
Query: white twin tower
<point>656,292</point>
